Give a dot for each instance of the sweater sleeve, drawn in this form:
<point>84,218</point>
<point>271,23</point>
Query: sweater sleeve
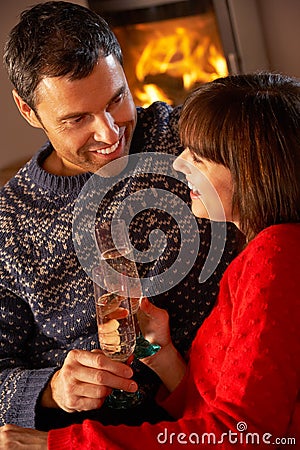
<point>248,349</point>
<point>244,370</point>
<point>20,383</point>
<point>260,373</point>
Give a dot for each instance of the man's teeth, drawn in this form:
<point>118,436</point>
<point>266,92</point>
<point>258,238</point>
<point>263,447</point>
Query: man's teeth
<point>108,150</point>
<point>193,188</point>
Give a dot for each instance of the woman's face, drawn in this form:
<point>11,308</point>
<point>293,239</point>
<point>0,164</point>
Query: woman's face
<point>211,187</point>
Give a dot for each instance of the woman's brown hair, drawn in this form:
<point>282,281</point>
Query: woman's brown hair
<point>251,125</point>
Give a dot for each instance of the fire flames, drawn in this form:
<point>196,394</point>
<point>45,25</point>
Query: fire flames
<point>172,57</point>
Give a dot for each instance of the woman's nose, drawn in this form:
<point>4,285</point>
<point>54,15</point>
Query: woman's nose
<point>181,164</point>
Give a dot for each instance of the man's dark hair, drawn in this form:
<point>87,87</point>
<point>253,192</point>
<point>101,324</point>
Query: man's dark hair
<point>56,39</point>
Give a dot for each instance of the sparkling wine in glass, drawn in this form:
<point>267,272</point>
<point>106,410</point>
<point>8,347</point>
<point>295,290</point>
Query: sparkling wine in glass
<point>116,328</point>
<point>120,260</point>
<point>116,251</point>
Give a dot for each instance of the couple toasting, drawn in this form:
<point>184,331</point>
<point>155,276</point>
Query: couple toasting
<point>242,134</point>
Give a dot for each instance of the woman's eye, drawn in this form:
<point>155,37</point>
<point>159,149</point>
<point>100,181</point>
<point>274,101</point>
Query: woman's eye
<point>196,159</point>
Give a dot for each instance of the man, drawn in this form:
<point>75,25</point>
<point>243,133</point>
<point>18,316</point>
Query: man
<point>66,68</point>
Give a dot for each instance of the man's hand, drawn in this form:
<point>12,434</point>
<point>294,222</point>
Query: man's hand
<point>17,438</point>
<point>84,381</point>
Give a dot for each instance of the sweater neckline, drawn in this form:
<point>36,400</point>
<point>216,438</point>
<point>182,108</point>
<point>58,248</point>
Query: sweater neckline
<point>50,182</point>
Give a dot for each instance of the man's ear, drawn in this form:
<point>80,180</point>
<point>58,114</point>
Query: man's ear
<point>26,111</point>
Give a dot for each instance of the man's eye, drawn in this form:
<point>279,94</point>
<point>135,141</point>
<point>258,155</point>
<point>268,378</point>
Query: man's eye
<point>116,101</point>
<point>119,98</point>
<point>74,120</point>
<point>122,96</point>
<point>78,119</point>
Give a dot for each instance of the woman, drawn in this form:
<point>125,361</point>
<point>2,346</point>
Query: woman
<point>241,384</point>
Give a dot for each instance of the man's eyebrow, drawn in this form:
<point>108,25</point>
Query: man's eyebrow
<point>74,115</point>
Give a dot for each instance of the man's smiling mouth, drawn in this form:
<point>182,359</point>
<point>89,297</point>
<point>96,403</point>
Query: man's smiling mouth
<point>108,150</point>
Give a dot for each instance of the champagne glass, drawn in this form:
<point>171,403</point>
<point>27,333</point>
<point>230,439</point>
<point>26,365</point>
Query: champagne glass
<point>115,249</point>
<point>116,328</point>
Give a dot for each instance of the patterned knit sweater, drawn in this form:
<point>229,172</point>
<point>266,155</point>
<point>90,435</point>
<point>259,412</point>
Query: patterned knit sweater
<point>241,389</point>
<point>46,298</point>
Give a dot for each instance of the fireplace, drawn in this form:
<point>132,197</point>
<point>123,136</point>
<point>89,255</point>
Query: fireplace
<point>172,46</point>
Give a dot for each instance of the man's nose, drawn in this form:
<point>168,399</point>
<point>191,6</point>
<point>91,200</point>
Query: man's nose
<point>105,129</point>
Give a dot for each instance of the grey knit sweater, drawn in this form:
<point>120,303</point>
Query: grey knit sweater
<point>46,298</point>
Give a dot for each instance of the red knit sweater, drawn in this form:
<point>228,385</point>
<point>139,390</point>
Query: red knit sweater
<point>241,389</point>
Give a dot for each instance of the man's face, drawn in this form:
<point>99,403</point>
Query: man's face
<point>90,121</point>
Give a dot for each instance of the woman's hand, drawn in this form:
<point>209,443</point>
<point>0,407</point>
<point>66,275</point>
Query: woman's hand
<point>154,323</point>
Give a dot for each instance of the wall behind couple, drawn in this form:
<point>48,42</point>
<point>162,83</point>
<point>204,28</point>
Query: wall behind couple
<point>280,23</point>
